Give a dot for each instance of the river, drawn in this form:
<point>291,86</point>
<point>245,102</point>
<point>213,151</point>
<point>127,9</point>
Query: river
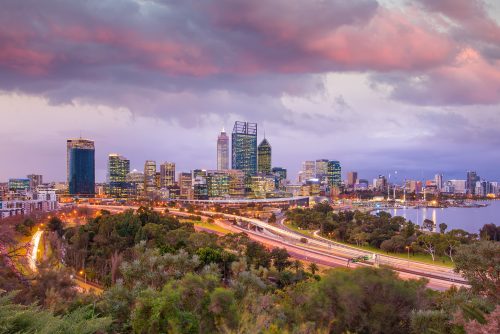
<point>468,219</point>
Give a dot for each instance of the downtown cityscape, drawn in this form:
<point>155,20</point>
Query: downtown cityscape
<point>237,166</point>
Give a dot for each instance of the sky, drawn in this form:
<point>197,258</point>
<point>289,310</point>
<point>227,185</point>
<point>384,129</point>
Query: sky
<point>382,86</point>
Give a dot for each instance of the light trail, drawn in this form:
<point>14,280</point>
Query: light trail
<point>32,256</point>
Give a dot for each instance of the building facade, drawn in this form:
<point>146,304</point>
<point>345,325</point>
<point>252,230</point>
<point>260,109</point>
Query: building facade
<point>167,174</point>
<point>352,179</point>
<point>81,167</point>
<point>150,179</point>
<point>334,174</point>
<point>35,180</point>
<point>264,157</point>
<point>244,149</point>
<point>118,168</point>
<point>222,151</point>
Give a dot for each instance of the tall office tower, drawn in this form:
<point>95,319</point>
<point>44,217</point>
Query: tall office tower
<point>35,180</point>
<point>308,171</point>
<point>80,161</point>
<point>334,175</point>
<point>472,178</point>
<point>321,169</point>
<point>135,180</point>
<point>352,178</point>
<point>167,174</point>
<point>223,151</point>
<point>244,149</point>
<point>186,185</point>
<point>438,179</point>
<point>264,157</point>
<point>149,176</point>
<point>118,168</point>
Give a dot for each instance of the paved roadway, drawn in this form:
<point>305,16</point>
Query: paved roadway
<point>323,252</point>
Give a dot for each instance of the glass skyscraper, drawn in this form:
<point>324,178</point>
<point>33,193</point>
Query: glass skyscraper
<point>334,174</point>
<point>167,174</point>
<point>223,151</point>
<point>81,167</point>
<point>264,157</point>
<point>244,149</point>
<point>118,168</point>
<point>149,176</point>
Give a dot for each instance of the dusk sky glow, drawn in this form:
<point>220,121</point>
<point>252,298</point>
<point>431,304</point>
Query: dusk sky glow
<point>412,86</point>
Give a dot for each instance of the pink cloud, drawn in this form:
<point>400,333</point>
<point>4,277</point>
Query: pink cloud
<point>388,42</point>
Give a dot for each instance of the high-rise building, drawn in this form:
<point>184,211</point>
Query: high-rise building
<point>352,178</point>
<point>308,171</point>
<point>438,179</point>
<point>135,180</point>
<point>35,181</point>
<point>321,169</point>
<point>167,174</point>
<point>223,151</point>
<point>244,149</point>
<point>262,185</point>
<point>264,157</point>
<point>149,176</point>
<point>472,178</point>
<point>186,185</point>
<point>118,168</point>
<point>217,183</point>
<point>81,167</point>
<point>200,187</point>
<point>334,174</point>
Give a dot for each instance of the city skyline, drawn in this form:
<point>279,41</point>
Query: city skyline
<point>142,82</point>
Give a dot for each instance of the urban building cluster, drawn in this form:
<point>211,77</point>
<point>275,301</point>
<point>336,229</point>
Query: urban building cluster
<point>244,171</point>
<point>26,195</point>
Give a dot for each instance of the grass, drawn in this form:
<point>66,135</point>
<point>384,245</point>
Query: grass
<point>208,226</point>
<point>425,258</point>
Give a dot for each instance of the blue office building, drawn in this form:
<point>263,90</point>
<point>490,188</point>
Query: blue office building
<point>81,167</point>
<point>334,174</point>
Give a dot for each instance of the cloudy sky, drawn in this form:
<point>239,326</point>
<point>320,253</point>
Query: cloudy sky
<point>412,86</point>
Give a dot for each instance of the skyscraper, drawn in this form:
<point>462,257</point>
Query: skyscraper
<point>80,166</point>
<point>167,174</point>
<point>308,171</point>
<point>334,175</point>
<point>321,169</point>
<point>438,179</point>
<point>223,151</point>
<point>118,168</point>
<point>472,178</point>
<point>149,176</point>
<point>244,149</point>
<point>352,178</point>
<point>264,157</point>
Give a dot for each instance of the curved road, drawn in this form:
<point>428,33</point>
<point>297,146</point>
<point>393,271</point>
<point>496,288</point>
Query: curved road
<point>323,252</point>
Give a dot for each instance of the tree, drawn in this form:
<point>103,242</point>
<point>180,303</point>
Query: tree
<point>479,263</point>
<point>56,225</point>
<point>490,232</point>
<point>280,258</point>
<point>429,243</point>
<point>442,228</point>
<point>313,268</point>
<point>272,219</point>
<point>297,265</point>
<point>17,318</point>
<point>428,225</point>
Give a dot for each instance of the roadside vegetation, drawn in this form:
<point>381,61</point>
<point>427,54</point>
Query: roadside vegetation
<point>383,233</point>
<point>161,276</point>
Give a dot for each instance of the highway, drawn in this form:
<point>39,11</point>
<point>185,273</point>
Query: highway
<point>33,252</point>
<point>324,252</point>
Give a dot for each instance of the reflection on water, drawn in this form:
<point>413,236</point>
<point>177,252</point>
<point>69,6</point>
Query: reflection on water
<point>469,219</point>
